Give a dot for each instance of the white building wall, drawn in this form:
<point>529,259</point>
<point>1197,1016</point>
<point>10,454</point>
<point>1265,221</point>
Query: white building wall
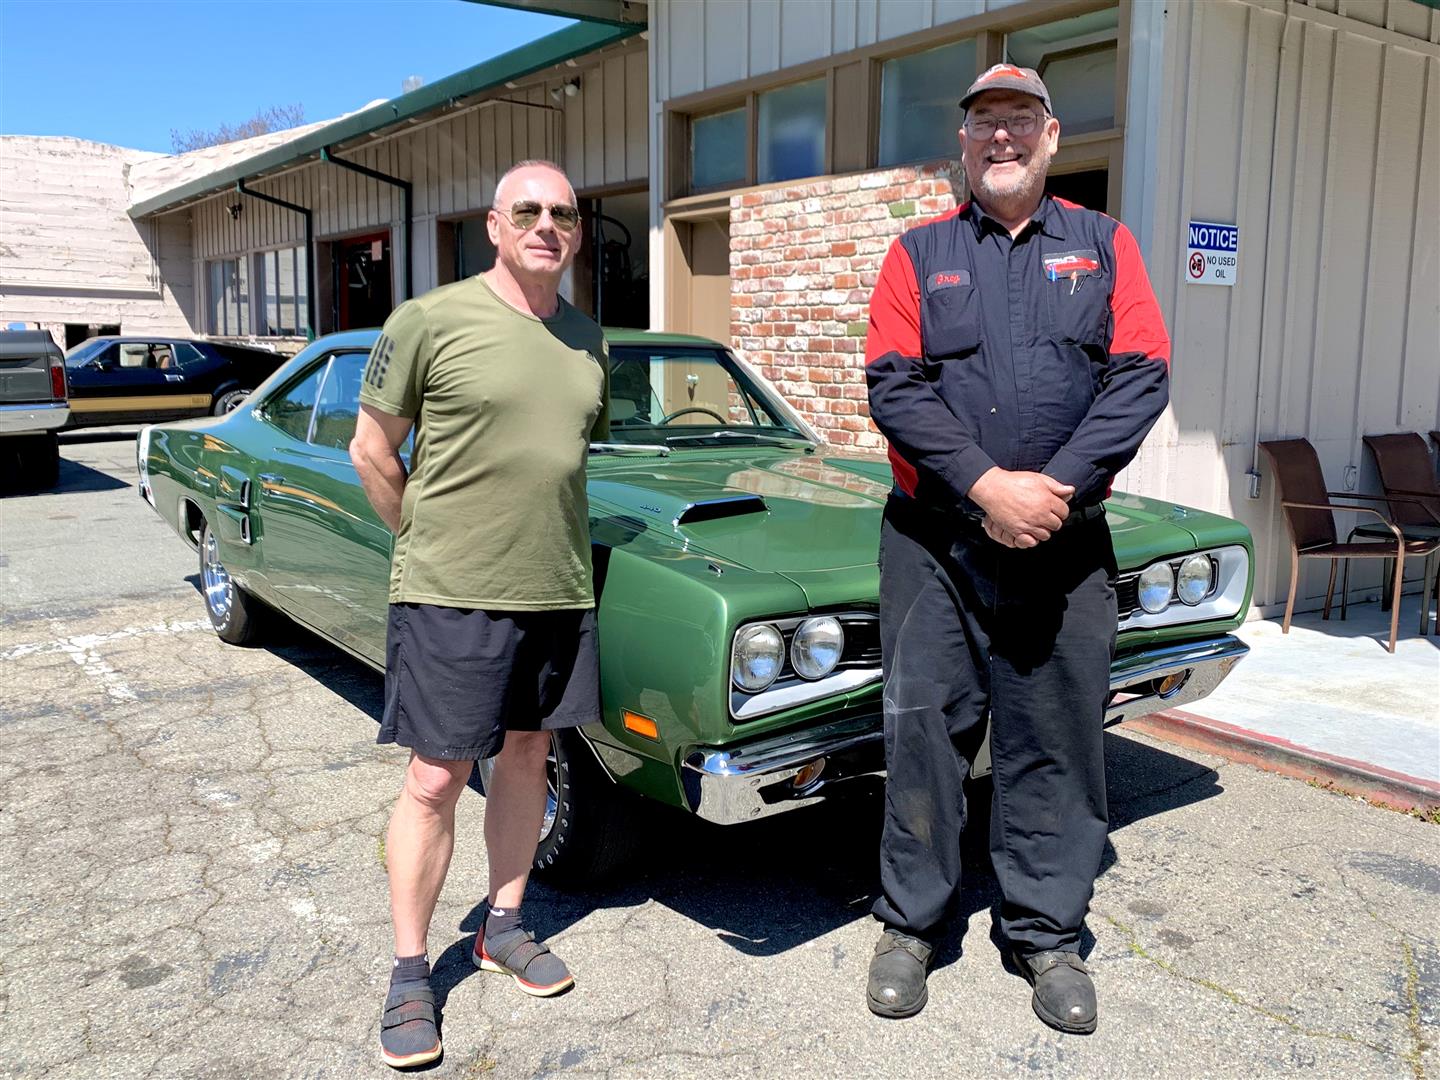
<point>68,251</point>
<point>1327,156</point>
<point>702,44</point>
<point>598,135</point>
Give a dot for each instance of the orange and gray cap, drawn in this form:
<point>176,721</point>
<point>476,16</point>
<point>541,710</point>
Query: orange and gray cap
<point>1008,77</point>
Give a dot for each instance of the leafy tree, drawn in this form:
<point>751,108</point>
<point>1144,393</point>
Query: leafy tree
<point>275,118</point>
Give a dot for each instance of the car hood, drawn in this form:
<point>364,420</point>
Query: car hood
<point>776,511</point>
<point>807,515</point>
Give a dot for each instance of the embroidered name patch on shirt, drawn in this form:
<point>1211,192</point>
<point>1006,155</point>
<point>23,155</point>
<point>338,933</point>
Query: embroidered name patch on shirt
<point>946,279</point>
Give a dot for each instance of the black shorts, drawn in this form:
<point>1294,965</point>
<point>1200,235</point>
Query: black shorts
<point>456,679</point>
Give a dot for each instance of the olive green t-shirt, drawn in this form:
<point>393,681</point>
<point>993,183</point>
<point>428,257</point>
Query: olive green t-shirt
<point>505,406</point>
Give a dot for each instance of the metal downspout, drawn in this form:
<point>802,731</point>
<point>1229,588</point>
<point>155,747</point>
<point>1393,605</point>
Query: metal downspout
<point>406,198</point>
<point>309,216</point>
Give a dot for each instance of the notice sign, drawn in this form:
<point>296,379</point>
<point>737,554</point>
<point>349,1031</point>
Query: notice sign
<point>1213,253</point>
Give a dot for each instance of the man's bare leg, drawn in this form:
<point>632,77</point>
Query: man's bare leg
<point>514,809</point>
<point>419,843</point>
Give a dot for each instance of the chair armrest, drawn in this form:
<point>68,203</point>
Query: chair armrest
<point>1426,500</point>
<point>1399,537</point>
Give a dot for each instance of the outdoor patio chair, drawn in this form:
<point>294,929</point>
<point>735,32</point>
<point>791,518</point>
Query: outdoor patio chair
<point>1310,518</point>
<point>1408,480</point>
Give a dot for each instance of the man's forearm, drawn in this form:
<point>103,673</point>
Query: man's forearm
<point>384,483</point>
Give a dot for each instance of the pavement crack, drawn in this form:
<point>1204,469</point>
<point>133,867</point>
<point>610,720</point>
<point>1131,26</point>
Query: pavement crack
<point>1139,950</point>
<point>1415,1056</point>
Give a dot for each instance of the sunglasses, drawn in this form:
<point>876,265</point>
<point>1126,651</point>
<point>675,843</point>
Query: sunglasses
<point>526,213</point>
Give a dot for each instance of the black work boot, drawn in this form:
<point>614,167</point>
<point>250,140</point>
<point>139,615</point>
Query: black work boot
<point>1064,996</point>
<point>897,975</point>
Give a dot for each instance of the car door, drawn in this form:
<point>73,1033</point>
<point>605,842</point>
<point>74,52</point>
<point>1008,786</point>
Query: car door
<point>121,384</point>
<point>329,553</point>
<point>192,375</point>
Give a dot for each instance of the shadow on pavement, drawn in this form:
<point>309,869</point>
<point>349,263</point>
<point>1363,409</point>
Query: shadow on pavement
<point>95,435</point>
<point>74,477</point>
<point>769,886</point>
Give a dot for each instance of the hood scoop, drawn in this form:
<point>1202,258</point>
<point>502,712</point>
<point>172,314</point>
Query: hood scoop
<point>714,509</point>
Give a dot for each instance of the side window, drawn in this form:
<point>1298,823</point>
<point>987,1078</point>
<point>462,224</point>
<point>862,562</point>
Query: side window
<point>134,354</point>
<point>291,410</point>
<point>188,356</point>
<point>339,402</point>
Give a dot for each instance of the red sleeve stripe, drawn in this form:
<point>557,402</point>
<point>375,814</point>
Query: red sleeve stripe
<point>894,308</point>
<point>1138,325</point>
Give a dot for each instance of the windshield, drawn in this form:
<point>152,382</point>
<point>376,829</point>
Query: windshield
<point>86,350</point>
<point>690,396</point>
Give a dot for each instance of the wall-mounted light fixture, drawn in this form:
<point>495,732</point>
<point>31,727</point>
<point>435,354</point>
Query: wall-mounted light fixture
<point>569,88</point>
<point>234,209</point>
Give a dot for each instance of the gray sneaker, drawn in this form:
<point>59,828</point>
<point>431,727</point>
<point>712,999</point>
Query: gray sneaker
<point>535,969</point>
<point>408,1034</point>
<point>896,988</point>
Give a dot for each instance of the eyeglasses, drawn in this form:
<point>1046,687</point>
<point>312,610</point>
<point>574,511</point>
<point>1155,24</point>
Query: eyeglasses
<point>1019,124</point>
<point>525,214</point>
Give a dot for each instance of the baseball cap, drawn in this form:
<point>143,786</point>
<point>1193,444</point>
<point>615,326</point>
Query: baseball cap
<point>1008,77</point>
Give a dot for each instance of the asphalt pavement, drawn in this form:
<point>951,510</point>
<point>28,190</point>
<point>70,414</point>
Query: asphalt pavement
<point>192,880</point>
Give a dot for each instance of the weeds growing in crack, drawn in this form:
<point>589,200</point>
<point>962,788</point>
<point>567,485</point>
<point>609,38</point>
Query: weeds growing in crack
<point>1132,940</point>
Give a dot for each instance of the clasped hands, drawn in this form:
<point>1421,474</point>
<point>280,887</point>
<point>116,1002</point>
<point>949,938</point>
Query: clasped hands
<point>1022,509</point>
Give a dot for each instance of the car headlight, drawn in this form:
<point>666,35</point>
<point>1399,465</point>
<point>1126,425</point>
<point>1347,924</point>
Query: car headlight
<point>1196,577</point>
<point>1157,584</point>
<point>757,657</point>
<point>817,647</point>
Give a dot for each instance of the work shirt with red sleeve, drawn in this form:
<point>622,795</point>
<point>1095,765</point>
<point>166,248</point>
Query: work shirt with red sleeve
<point>1044,353</point>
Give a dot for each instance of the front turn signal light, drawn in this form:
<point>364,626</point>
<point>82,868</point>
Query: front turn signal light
<point>640,725</point>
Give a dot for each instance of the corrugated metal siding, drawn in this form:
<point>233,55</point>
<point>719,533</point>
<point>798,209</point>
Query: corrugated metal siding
<point>599,136</point>
<point>702,44</point>
<point>1334,324</point>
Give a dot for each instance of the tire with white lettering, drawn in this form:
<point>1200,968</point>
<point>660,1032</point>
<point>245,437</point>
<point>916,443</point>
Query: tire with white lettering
<point>229,401</point>
<point>236,615</point>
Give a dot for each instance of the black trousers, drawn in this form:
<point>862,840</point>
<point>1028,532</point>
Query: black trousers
<point>970,628</point>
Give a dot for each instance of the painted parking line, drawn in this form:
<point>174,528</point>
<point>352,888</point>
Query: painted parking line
<point>84,649</point>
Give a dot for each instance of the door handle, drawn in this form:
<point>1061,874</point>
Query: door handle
<point>174,378</point>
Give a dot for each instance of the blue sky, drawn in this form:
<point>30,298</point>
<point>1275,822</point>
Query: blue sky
<point>127,72</point>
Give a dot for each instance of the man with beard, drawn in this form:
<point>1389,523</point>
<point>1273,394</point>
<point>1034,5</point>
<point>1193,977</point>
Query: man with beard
<point>1016,358</point>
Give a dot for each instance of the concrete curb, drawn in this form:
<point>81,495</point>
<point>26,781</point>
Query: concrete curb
<point>1369,782</point>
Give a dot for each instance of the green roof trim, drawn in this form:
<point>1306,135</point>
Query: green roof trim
<point>536,56</point>
<point>615,12</point>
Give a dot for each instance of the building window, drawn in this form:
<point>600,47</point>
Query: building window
<point>717,150</point>
<point>791,132</point>
<point>919,105</point>
<point>1077,59</point>
<point>229,295</point>
<point>284,300</point>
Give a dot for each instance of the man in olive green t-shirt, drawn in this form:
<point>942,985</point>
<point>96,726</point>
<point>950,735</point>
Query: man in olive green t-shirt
<point>491,643</point>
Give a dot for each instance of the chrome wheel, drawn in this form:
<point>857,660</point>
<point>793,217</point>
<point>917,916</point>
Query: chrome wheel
<point>219,589</point>
<point>552,786</point>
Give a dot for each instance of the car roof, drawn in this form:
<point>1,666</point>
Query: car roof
<point>15,343</point>
<point>615,335</point>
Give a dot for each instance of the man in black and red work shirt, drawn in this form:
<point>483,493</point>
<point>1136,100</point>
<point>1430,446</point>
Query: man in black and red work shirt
<point>1016,359</point>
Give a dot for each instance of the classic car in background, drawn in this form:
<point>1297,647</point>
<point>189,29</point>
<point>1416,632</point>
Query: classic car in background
<point>735,566</point>
<point>33,405</point>
<point>133,380</point>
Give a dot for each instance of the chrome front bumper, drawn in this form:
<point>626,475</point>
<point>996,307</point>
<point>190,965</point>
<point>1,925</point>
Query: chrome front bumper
<point>33,419</point>
<point>755,780</point>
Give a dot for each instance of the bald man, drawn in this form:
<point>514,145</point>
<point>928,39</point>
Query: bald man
<point>491,641</point>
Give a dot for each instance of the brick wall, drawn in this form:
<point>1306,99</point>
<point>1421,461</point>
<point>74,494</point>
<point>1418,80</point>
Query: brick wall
<point>803,261</point>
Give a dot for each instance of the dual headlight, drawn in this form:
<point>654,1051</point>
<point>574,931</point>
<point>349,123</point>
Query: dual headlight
<point>1191,582</point>
<point>759,653</point>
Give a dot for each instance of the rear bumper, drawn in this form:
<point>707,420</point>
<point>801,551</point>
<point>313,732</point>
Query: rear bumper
<point>764,777</point>
<point>33,419</point>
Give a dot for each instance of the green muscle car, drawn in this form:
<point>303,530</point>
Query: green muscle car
<point>735,567</point>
